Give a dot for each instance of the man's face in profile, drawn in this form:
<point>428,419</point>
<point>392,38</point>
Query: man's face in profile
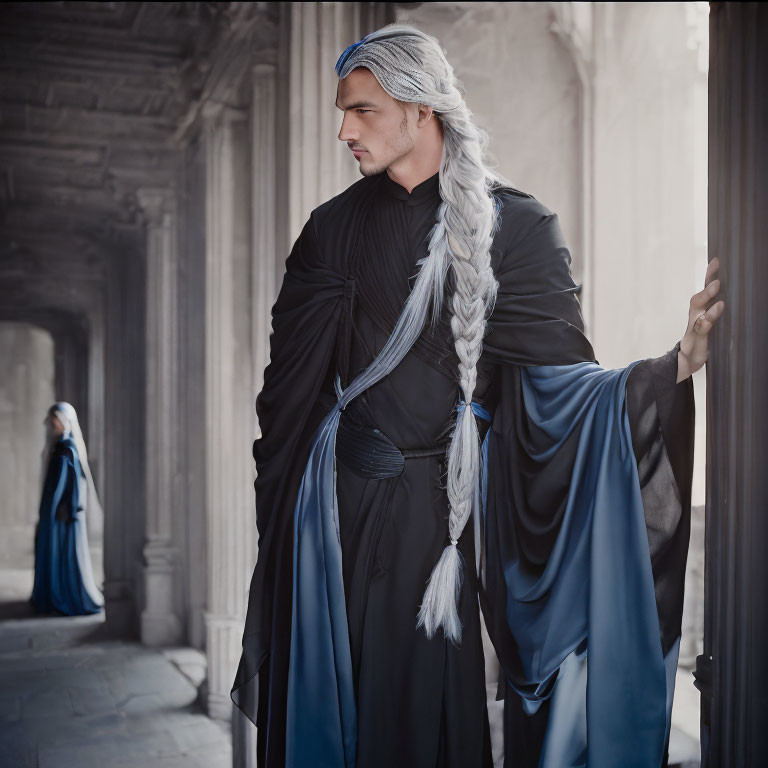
<point>375,126</point>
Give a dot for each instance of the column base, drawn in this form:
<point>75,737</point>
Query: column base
<point>158,629</point>
<point>120,608</point>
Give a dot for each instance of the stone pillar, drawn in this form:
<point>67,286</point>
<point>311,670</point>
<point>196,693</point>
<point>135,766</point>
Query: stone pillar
<point>26,393</point>
<point>732,673</point>
<point>160,624</point>
<point>266,275</point>
<point>123,494</point>
<point>573,25</point>
<point>267,265</point>
<point>320,166</point>
<point>95,437</point>
<point>229,396</point>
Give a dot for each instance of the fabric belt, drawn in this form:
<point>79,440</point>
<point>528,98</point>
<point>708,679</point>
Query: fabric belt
<point>369,453</point>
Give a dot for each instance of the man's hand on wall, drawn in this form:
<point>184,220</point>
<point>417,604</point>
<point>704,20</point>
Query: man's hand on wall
<point>703,313</point>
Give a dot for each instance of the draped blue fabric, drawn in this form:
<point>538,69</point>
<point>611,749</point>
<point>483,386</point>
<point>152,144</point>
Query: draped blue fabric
<point>589,616</point>
<point>565,742</point>
<point>58,580</point>
<point>321,725</point>
<point>596,590</point>
<point>321,720</point>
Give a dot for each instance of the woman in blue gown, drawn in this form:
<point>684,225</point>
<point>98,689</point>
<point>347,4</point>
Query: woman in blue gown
<point>64,580</point>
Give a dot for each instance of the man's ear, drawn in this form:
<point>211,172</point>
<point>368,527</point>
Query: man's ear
<point>424,115</point>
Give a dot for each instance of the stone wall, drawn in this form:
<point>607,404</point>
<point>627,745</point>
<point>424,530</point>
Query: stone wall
<point>523,89</point>
<point>599,111</point>
<point>26,393</point>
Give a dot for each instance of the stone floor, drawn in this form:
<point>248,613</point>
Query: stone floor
<point>684,749</point>
<point>100,704</point>
<point>71,699</point>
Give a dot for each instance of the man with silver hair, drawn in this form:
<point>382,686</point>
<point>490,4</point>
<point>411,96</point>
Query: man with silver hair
<point>428,366</point>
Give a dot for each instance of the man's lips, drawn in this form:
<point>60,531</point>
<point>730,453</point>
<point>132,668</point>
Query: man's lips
<point>358,152</point>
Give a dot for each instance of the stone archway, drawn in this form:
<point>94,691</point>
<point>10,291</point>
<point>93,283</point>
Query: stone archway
<point>52,351</point>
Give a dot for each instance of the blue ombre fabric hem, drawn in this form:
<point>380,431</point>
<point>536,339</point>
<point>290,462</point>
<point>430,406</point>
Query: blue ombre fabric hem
<point>321,721</point>
<point>597,587</point>
<point>590,615</point>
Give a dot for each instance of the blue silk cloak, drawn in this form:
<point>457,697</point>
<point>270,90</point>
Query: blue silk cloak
<point>591,615</point>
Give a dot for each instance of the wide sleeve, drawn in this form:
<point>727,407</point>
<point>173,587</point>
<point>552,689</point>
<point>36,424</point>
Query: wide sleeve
<point>304,319</point>
<point>661,417</point>
<point>63,486</point>
<point>537,321</point>
<point>290,406</point>
<point>586,506</point>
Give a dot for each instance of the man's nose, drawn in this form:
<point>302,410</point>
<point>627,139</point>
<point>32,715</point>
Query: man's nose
<point>347,132</point>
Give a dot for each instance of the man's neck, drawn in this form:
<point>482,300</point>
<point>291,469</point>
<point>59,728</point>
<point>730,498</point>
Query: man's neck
<point>412,180</point>
<point>417,166</point>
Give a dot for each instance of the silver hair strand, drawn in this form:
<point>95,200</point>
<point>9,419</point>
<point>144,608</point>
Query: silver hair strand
<point>411,67</point>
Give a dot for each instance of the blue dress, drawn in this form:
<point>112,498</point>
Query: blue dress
<point>61,544</point>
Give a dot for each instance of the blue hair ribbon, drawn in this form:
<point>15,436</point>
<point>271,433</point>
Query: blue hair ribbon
<point>477,409</point>
<point>348,51</point>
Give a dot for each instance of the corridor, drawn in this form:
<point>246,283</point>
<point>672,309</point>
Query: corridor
<point>157,161</point>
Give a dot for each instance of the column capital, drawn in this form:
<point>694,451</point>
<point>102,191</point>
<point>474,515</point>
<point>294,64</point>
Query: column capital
<point>573,25</point>
<point>262,70</point>
<point>156,202</point>
<point>212,112</point>
<point>159,553</point>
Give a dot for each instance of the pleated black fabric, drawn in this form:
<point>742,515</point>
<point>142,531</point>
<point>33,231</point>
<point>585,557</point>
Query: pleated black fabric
<point>422,702</point>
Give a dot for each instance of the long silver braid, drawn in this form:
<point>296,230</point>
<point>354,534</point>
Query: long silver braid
<point>411,67</point>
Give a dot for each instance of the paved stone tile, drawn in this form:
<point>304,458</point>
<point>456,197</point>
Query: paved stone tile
<point>12,643</point>
<point>105,705</point>
<point>192,737</point>
<point>189,661</point>
<point>90,701</point>
<point>16,754</point>
<point>171,720</point>
<point>140,704</point>
<point>213,757</point>
<point>10,709</point>
<point>112,751</point>
<point>46,703</point>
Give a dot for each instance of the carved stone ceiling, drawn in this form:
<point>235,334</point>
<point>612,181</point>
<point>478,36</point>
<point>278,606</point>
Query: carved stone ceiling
<point>93,96</point>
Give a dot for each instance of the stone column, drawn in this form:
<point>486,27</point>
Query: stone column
<point>732,673</point>
<point>229,396</point>
<point>320,166</point>
<point>160,624</point>
<point>573,25</point>
<point>267,264</point>
<point>266,275</point>
<point>123,494</point>
<point>95,436</point>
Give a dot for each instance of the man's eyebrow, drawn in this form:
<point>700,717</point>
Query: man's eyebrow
<point>357,105</point>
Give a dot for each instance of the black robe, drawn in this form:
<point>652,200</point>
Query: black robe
<point>422,702</point>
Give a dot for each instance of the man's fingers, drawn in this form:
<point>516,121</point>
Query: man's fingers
<point>700,300</point>
<point>706,320</point>
<point>712,269</point>
<point>714,312</point>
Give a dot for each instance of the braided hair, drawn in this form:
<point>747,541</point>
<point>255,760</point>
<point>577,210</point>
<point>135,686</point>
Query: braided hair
<point>411,67</point>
